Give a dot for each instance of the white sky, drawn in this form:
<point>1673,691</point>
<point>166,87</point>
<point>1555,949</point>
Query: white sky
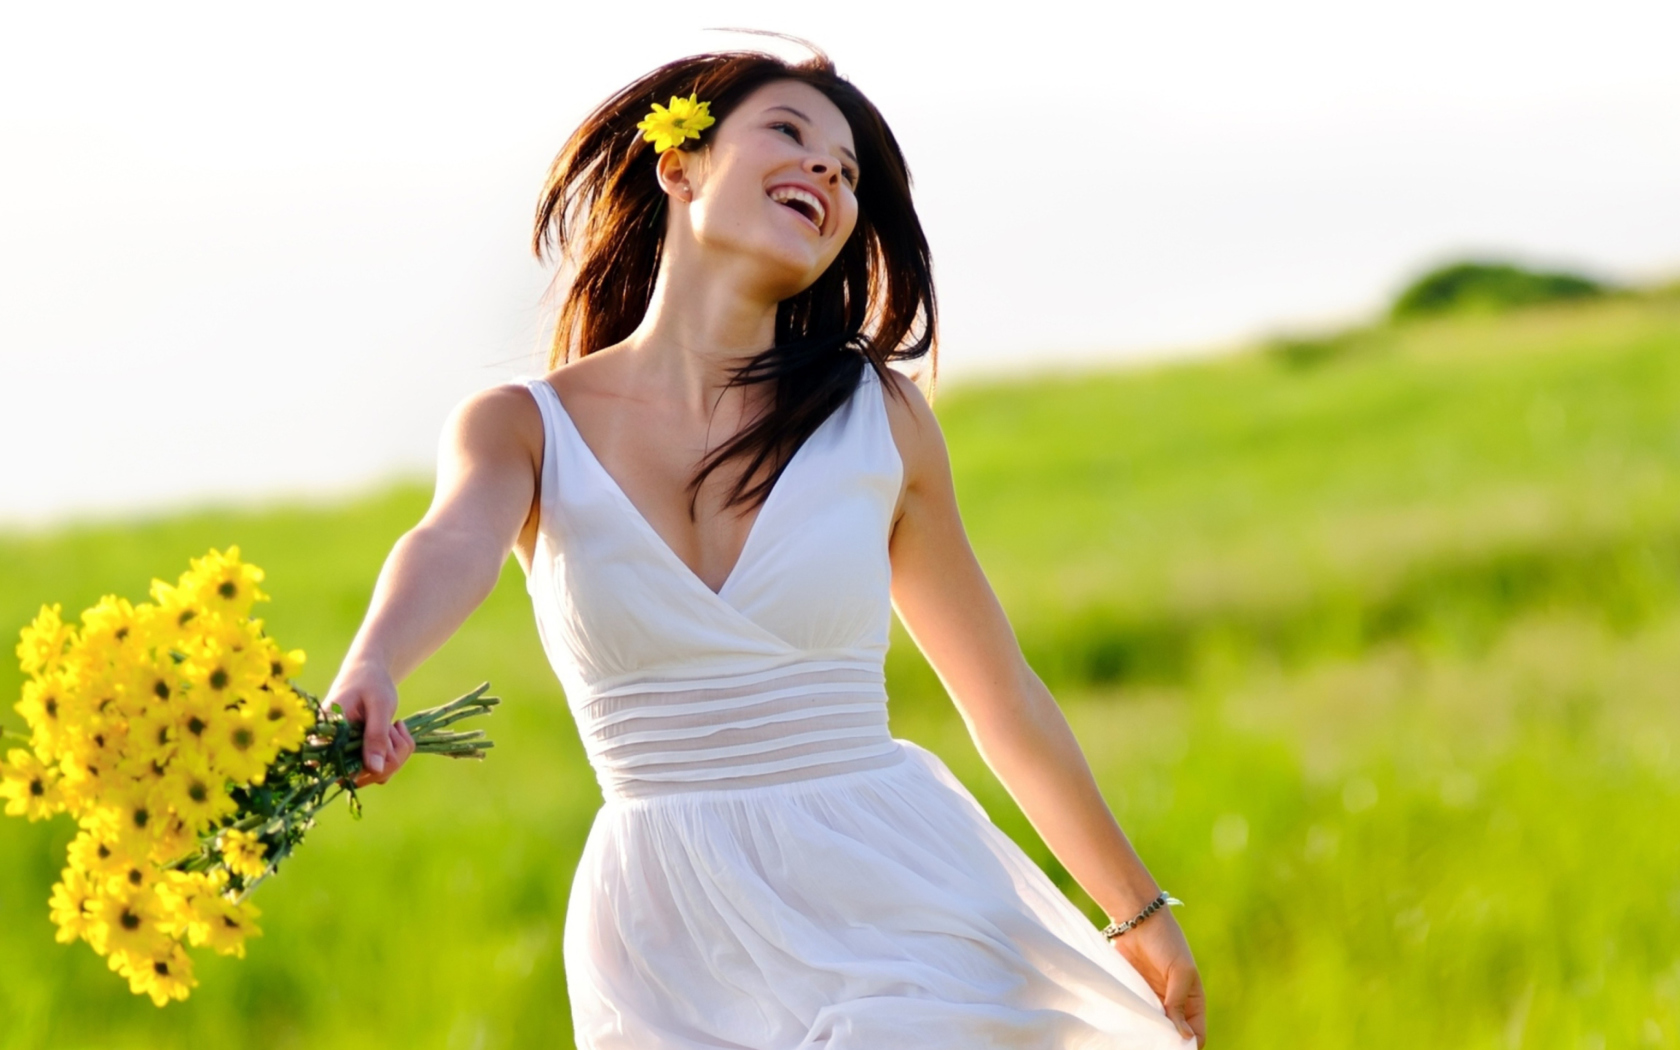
<point>253,250</point>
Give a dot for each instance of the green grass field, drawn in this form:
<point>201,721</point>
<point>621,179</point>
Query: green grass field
<point>1375,658</point>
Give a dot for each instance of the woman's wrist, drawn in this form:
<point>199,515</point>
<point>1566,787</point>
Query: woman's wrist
<point>366,656</point>
<point>1127,900</point>
<point>1120,927</point>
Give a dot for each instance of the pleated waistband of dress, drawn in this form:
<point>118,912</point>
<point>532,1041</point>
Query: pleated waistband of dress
<point>777,727</point>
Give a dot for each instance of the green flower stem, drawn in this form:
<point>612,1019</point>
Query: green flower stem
<point>314,776</point>
<point>427,729</point>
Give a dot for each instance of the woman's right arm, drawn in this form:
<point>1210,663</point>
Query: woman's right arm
<point>441,569</point>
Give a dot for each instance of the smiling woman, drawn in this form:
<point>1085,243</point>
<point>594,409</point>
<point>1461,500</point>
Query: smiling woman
<point>719,493</point>
<point>604,209</point>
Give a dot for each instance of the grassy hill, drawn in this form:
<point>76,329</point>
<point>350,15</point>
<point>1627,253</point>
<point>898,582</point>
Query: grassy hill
<point>1373,653</point>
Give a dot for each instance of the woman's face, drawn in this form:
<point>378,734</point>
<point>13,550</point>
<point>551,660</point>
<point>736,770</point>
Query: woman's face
<point>776,186</point>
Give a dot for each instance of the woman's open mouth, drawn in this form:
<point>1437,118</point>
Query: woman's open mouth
<point>802,201</point>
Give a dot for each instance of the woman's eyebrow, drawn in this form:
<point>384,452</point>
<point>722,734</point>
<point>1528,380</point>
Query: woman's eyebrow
<point>849,154</point>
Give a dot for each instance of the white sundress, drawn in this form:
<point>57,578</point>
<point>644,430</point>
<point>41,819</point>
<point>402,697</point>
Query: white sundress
<point>771,869</point>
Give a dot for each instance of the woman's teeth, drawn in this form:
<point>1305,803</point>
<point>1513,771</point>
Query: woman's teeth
<point>802,201</point>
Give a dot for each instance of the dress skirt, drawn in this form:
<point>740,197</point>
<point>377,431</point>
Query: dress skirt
<point>867,910</point>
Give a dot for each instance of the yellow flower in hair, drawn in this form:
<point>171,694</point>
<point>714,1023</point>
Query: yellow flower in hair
<point>685,119</point>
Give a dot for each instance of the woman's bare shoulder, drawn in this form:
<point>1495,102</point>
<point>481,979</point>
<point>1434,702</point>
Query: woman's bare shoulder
<point>497,421</point>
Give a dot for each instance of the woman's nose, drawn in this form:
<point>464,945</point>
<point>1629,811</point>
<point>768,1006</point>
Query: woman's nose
<point>823,169</point>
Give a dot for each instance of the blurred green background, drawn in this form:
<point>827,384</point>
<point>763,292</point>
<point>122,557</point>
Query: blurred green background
<point>1372,638</point>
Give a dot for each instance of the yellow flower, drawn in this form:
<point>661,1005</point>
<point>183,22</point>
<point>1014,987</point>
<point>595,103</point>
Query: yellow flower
<point>164,975</point>
<point>46,708</point>
<point>139,773</point>
<point>284,666</point>
<point>173,841</point>
<point>123,817</point>
<point>96,857</point>
<point>239,749</point>
<point>195,793</point>
<point>222,585</point>
<point>222,925</point>
<point>44,641</point>
<point>137,875</point>
<point>284,717</point>
<point>72,899</point>
<point>242,852</point>
<point>164,626</point>
<point>125,925</point>
<point>227,662</point>
<point>152,682</point>
<point>685,119</point>
<point>88,767</point>
<point>153,736</point>
<point>169,623</point>
<point>109,624</point>
<point>29,786</point>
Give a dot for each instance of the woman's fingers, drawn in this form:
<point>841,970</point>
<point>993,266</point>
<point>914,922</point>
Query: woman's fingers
<point>399,746</point>
<point>376,744</point>
<point>1184,1003</point>
<point>403,741</point>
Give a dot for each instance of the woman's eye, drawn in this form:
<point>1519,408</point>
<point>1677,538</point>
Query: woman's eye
<point>850,175</point>
<point>792,131</point>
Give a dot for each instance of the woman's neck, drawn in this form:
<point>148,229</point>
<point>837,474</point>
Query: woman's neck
<point>703,321</point>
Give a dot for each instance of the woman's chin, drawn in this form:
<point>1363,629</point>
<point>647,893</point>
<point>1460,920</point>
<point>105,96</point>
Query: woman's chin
<point>777,264</point>
<point>786,273</point>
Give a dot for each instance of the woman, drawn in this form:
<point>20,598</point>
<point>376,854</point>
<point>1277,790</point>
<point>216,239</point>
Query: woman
<point>717,504</point>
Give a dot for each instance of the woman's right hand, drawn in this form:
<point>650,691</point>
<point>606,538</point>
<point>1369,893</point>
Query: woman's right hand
<point>365,693</point>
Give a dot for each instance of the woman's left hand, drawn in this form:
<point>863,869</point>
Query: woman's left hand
<point>1159,953</point>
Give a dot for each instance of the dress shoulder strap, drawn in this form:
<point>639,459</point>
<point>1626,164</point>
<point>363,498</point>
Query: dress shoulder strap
<point>548,477</point>
<point>874,426</point>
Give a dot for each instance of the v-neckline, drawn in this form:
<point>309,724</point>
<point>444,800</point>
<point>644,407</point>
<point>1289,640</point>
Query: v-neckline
<point>641,519</point>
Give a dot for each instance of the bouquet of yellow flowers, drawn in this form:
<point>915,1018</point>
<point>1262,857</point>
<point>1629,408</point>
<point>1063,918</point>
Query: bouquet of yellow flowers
<point>172,732</point>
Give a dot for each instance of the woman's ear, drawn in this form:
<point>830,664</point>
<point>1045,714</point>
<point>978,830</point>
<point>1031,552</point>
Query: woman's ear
<point>673,169</point>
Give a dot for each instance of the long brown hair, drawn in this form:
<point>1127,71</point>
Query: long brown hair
<point>602,213</point>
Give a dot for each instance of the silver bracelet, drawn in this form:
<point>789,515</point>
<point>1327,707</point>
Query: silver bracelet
<point>1115,929</point>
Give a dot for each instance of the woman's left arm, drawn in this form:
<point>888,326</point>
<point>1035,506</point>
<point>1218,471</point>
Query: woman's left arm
<point>951,612</point>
